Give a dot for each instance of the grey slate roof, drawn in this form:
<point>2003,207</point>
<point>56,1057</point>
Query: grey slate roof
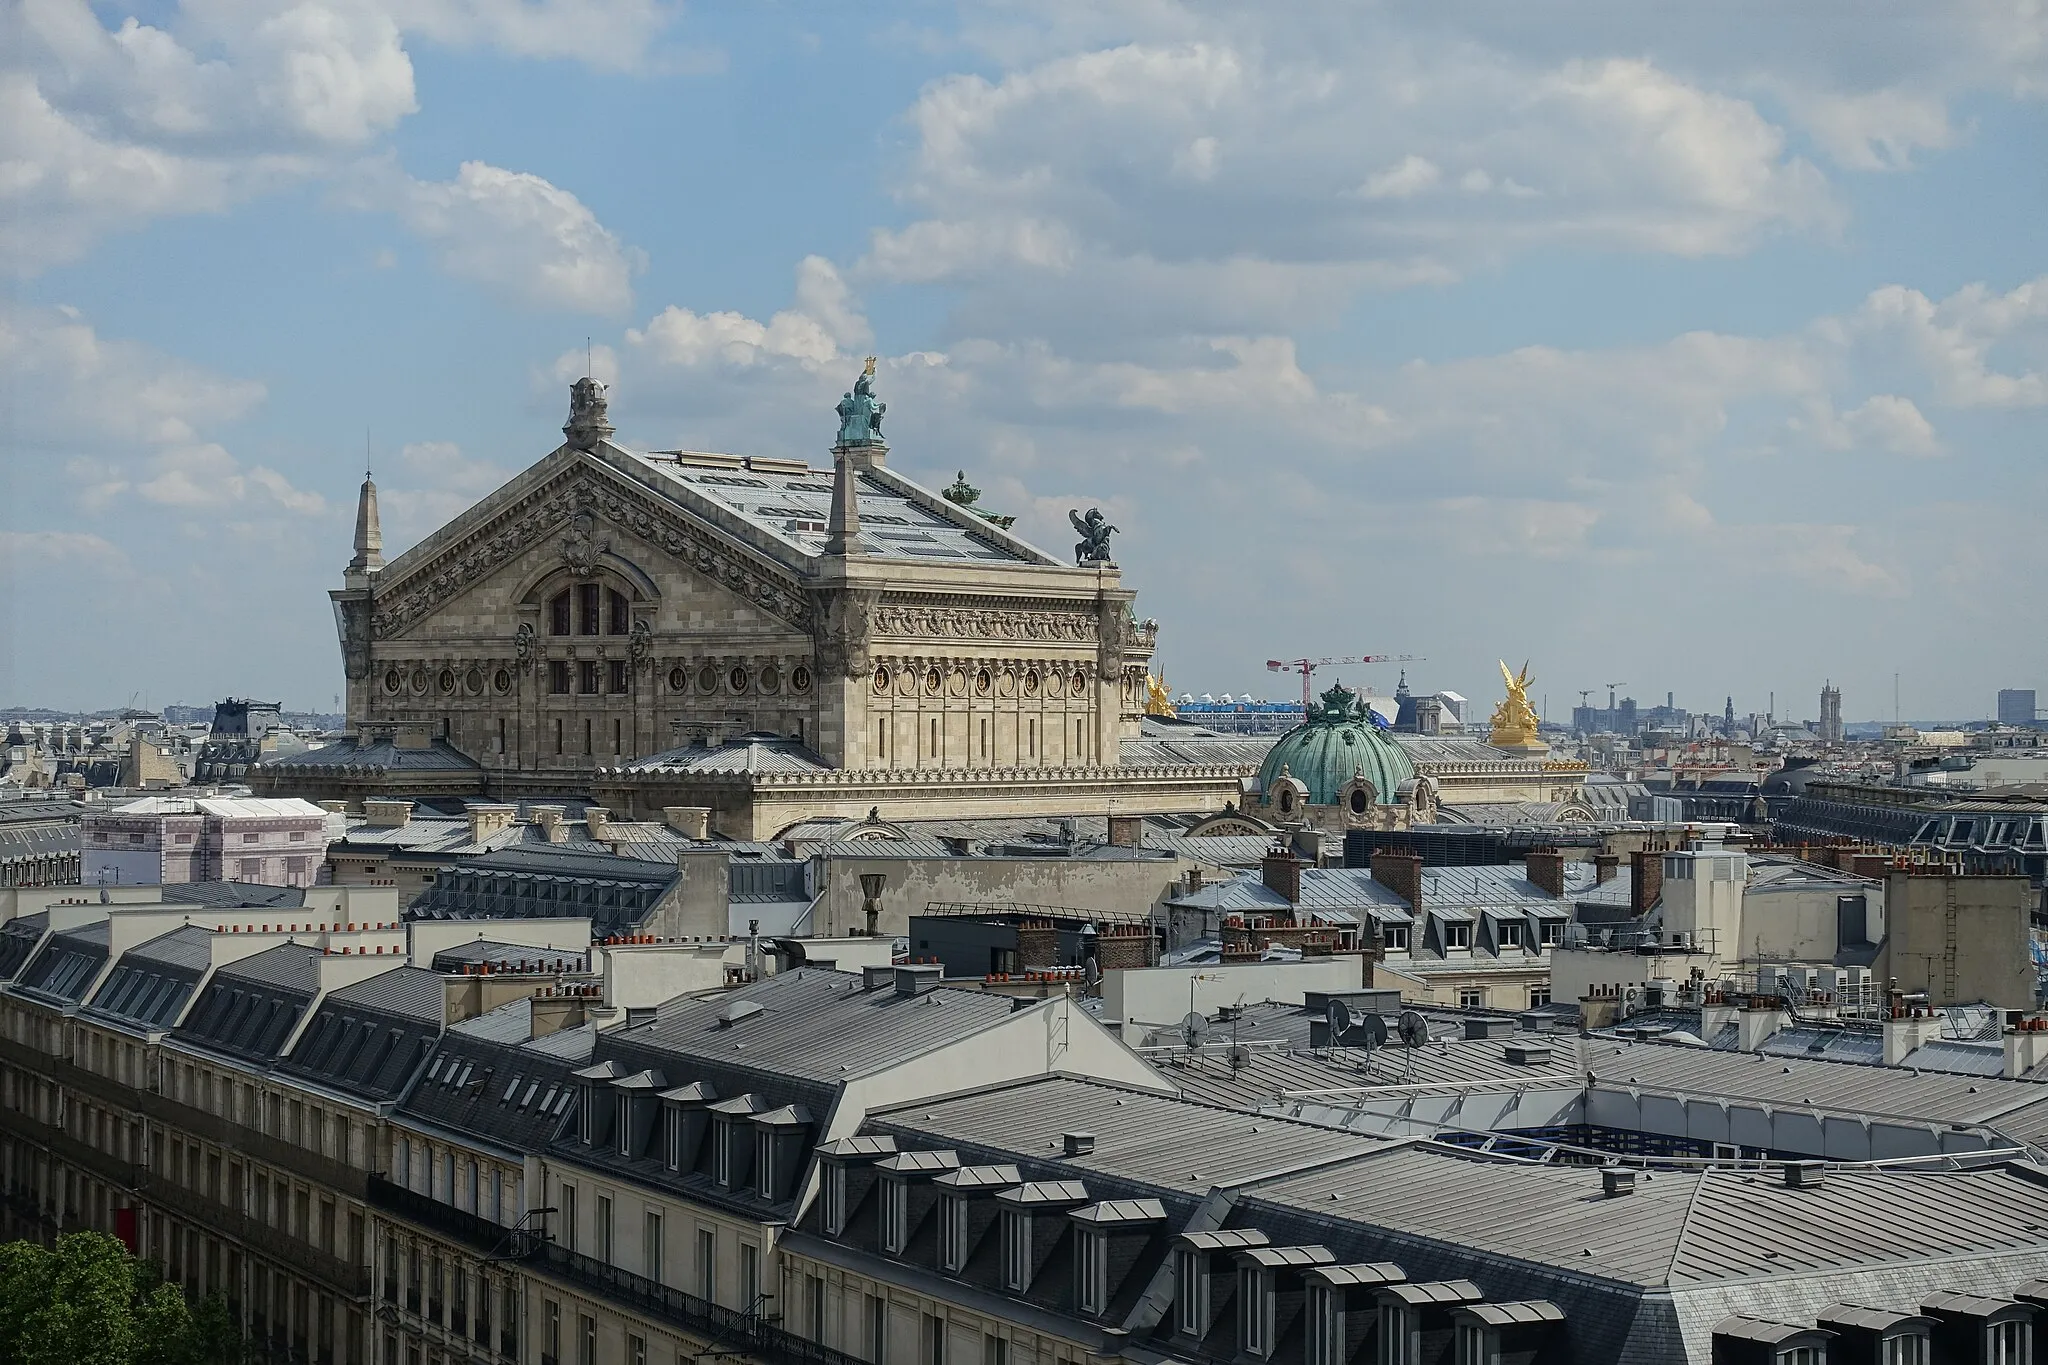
<point>65,966</point>
<point>18,938</point>
<point>250,1007</point>
<point>152,981</point>
<point>370,1038</point>
<point>483,1079</point>
<point>820,1025</point>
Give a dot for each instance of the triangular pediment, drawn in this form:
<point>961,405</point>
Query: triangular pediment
<point>572,501</point>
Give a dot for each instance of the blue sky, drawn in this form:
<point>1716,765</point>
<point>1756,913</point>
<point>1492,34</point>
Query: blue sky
<point>1704,350</point>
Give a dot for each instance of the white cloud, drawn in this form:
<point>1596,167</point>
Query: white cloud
<point>1410,177</point>
<point>124,419</point>
<point>814,332</point>
<point>102,129</point>
<point>519,234</point>
<point>65,550</point>
<point>1953,340</point>
<point>598,33</point>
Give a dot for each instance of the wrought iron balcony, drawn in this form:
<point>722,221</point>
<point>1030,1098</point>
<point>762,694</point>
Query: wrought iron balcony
<point>739,1332</point>
<point>472,1230</point>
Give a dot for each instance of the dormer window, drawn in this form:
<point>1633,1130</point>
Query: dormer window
<point>764,1163</point>
<point>1192,1306</point>
<point>895,1216</point>
<point>1394,1343</point>
<point>672,1132</point>
<point>1016,1251</point>
<point>625,1121</point>
<point>835,1198</point>
<point>1394,937</point>
<point>1091,1270</point>
<point>1254,1311</point>
<point>1324,1341</point>
<point>725,1162</point>
<point>1457,935</point>
<point>952,1233</point>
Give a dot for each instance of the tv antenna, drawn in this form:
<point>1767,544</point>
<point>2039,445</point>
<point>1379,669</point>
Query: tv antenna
<point>1194,1029</point>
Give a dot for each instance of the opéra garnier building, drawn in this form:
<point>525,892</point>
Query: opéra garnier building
<point>756,636</point>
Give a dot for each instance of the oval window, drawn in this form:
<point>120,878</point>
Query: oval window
<point>393,680</point>
<point>502,680</point>
<point>1287,798</point>
<point>474,683</point>
<point>1077,685</point>
<point>931,680</point>
<point>419,680</point>
<point>771,678</point>
<point>1030,684</point>
<point>707,679</point>
<point>677,680</point>
<point>737,679</point>
<point>983,683</point>
<point>881,680</point>
<point>799,679</point>
<point>1359,801</point>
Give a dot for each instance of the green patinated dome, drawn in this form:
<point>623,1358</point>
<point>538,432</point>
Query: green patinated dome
<point>1337,742</point>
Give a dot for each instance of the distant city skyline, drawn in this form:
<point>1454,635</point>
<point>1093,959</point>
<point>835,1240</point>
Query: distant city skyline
<point>1616,335</point>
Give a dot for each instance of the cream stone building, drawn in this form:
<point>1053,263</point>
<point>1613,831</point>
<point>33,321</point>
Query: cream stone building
<point>739,632</point>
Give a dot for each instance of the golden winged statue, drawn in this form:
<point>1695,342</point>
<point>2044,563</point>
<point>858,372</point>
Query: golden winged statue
<point>1158,697</point>
<point>1514,720</point>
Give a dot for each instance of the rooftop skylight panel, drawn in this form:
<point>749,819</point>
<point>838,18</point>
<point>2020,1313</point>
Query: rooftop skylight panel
<point>434,1071</point>
<point>511,1090</point>
<point>562,1105</point>
<point>546,1100</point>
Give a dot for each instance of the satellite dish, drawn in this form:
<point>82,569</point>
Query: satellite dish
<point>1355,1030</point>
<point>1195,1028</point>
<point>1413,1029</point>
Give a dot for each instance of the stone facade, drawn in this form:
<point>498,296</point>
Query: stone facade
<point>606,607</point>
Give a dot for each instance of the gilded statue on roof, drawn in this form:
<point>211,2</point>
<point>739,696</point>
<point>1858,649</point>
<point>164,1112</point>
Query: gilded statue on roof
<point>1514,720</point>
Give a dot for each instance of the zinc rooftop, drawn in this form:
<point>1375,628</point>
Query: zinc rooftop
<point>386,1137</point>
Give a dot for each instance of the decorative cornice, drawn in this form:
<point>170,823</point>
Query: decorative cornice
<point>577,491</point>
<point>890,779</point>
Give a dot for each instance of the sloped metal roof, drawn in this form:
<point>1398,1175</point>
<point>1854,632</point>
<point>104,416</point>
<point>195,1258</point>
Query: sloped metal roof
<point>751,753</point>
<point>1144,1139</point>
<point>794,506</point>
<point>819,1025</point>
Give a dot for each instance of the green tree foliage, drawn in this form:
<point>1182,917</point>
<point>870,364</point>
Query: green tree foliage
<point>88,1302</point>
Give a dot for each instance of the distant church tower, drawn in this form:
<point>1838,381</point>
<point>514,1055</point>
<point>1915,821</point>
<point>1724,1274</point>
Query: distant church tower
<point>1830,713</point>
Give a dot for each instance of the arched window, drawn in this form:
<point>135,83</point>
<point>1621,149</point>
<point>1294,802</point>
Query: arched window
<point>590,609</point>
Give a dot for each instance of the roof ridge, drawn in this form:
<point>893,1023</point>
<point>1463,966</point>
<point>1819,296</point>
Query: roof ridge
<point>1679,1243</point>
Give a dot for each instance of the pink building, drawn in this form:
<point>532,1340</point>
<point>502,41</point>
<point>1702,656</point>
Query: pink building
<point>160,840</point>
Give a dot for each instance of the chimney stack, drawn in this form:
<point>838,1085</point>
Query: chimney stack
<point>1127,831</point>
<point>1606,867</point>
<point>1400,871</point>
<point>692,822</point>
<point>1281,871</point>
<point>1546,869</point>
<point>1646,880</point>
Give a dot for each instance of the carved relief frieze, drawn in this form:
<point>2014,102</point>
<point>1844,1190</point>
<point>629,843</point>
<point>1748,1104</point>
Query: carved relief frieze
<point>582,505</point>
<point>980,620</point>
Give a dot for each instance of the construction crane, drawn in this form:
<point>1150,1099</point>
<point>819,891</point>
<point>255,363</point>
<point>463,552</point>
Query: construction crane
<point>1610,695</point>
<point>1308,667</point>
<point>1584,694</point>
